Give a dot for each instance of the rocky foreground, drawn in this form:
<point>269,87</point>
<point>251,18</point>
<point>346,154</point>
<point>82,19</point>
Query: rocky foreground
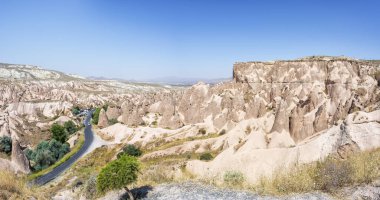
<point>189,190</point>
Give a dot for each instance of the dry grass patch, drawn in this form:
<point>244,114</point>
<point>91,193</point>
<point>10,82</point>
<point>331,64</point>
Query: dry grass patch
<point>13,187</point>
<point>327,175</point>
<point>161,144</point>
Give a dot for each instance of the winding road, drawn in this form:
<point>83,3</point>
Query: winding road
<point>88,139</point>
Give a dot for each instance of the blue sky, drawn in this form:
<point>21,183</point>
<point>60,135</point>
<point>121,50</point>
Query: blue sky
<point>184,38</point>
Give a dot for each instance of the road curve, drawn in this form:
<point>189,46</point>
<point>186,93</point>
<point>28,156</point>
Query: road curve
<point>88,139</point>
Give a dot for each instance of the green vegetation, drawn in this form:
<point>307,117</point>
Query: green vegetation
<point>233,178</point>
<point>75,110</point>
<point>59,133</point>
<point>130,150</point>
<point>46,153</point>
<point>70,127</point>
<point>95,116</point>
<point>6,144</point>
<point>327,175</point>
<point>112,121</point>
<point>206,156</point>
<point>118,174</point>
<point>154,123</point>
<point>76,148</point>
<point>202,131</point>
<point>105,107</point>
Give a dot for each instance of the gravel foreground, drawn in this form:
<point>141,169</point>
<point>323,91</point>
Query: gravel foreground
<point>190,191</point>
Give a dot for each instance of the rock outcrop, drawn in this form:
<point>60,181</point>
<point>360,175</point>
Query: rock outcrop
<point>19,159</point>
<point>103,119</point>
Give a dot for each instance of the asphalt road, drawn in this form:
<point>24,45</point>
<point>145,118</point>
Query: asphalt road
<point>89,137</point>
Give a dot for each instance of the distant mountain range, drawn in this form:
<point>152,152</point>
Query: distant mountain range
<point>169,80</point>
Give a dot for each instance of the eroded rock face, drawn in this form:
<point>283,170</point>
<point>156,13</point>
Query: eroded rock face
<point>306,96</point>
<point>103,119</point>
<point>113,112</point>
<point>18,157</point>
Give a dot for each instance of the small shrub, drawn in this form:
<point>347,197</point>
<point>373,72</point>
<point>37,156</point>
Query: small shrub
<point>130,150</point>
<point>105,107</point>
<point>154,123</point>
<point>75,110</point>
<point>248,130</point>
<point>6,144</point>
<point>202,131</point>
<point>222,132</point>
<point>233,178</point>
<point>112,121</point>
<point>206,156</point>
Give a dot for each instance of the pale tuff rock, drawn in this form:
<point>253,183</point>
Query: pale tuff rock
<point>113,112</point>
<point>103,119</point>
<point>281,121</point>
<point>266,160</point>
<point>19,160</point>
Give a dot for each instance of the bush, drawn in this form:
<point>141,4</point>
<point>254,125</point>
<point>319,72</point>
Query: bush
<point>75,110</point>
<point>202,131</point>
<point>222,132</point>
<point>95,116</point>
<point>130,150</point>
<point>58,133</point>
<point>70,127</point>
<point>6,144</point>
<point>233,178</point>
<point>112,121</point>
<point>206,156</point>
<point>332,173</point>
<point>118,174</point>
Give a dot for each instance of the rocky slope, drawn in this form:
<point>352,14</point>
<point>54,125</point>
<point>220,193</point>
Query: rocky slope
<point>32,98</point>
<point>272,114</point>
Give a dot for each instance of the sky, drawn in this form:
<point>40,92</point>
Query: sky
<point>142,40</point>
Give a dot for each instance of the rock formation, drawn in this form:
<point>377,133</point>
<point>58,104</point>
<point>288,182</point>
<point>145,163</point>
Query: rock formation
<point>103,119</point>
<point>18,157</point>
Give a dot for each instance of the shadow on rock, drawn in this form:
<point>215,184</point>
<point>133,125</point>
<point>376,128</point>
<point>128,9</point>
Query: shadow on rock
<point>138,193</point>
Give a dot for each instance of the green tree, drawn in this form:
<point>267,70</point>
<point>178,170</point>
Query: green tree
<point>58,133</point>
<point>118,174</point>
<point>70,127</point>
<point>95,116</point>
<point>6,144</point>
<point>130,150</point>
<point>46,153</point>
<point>75,110</point>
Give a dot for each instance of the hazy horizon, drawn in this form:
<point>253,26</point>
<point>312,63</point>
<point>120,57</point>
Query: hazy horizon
<point>186,39</point>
